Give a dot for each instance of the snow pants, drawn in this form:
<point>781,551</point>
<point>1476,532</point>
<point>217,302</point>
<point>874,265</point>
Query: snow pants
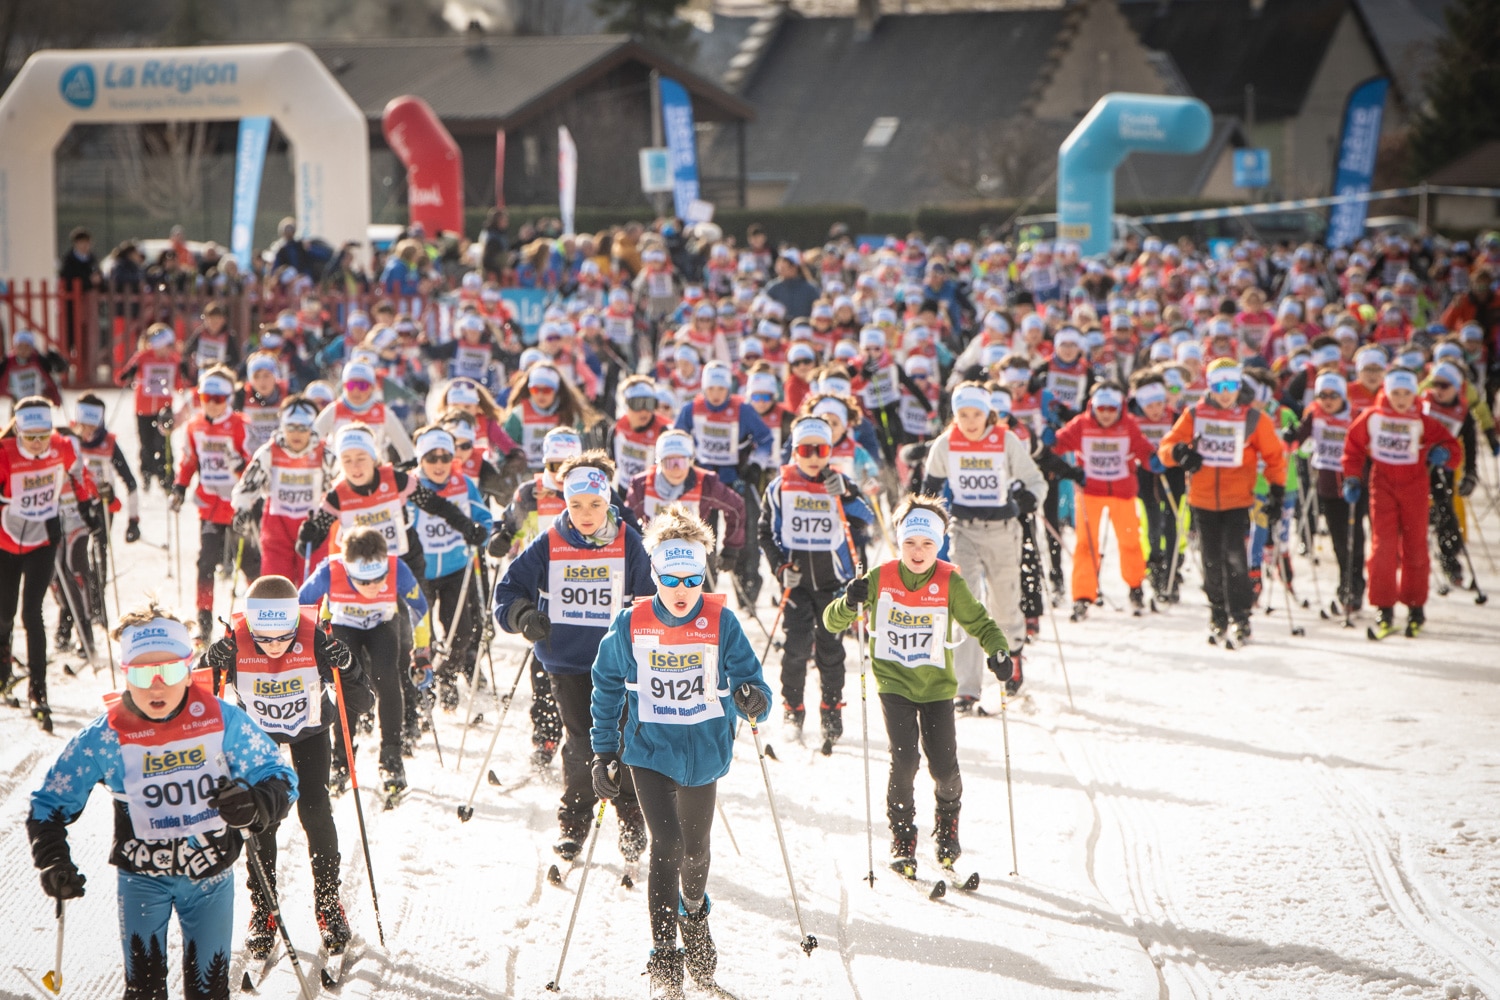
<point>205,915</point>
<point>1398,545</point>
<point>1088,525</point>
<point>680,819</point>
<point>218,545</point>
<point>380,647</point>
<point>35,568</point>
<point>906,723</point>
<point>806,637</point>
<point>1224,535</point>
<point>988,550</point>
<point>576,811</point>
<point>278,549</point>
<point>1351,565</point>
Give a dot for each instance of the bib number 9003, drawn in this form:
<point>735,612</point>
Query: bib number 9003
<point>991,482</point>
<point>176,793</point>
<point>682,689</point>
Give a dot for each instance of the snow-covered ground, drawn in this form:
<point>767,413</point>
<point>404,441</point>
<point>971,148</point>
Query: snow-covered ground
<point>1315,816</point>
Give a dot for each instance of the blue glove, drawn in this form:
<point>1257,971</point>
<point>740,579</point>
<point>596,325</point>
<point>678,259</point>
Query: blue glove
<point>1353,490</point>
<point>1155,465</point>
<point>421,669</point>
<point>1049,436</point>
<point>1438,456</point>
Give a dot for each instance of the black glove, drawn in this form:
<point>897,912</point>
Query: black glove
<point>1001,666</point>
<point>1076,473</point>
<point>1466,484</point>
<point>133,530</point>
<point>857,592</point>
<point>605,772</point>
<point>531,623</point>
<point>1271,509</point>
<point>239,805</point>
<point>63,881</point>
<point>164,419</point>
<point>179,494</point>
<point>1289,434</point>
<point>750,700</point>
<point>833,482</point>
<point>92,516</point>
<point>1024,499</point>
<point>222,655</point>
<point>500,540</point>
<point>474,533</point>
<point>308,536</point>
<point>791,576</point>
<point>243,523</point>
<point>1187,457</point>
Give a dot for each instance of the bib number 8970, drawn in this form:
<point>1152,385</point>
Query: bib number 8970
<point>175,793</point>
<point>682,689</point>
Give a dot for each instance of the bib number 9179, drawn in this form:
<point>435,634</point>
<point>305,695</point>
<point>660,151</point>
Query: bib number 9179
<point>812,525</point>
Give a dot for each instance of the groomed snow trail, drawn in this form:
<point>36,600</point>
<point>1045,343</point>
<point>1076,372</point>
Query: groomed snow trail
<point>1306,817</point>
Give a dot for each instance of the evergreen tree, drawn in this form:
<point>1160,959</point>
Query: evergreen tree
<point>1463,88</point>
<point>654,22</point>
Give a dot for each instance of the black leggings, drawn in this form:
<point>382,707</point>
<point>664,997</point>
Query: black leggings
<point>154,447</point>
<point>1226,563</point>
<point>35,567</point>
<point>310,759</point>
<point>379,646</point>
<point>680,819</point>
<point>463,640</point>
<point>218,545</point>
<point>1351,572</point>
<point>931,722</point>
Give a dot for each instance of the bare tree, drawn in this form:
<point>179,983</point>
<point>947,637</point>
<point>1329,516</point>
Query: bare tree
<point>1006,158</point>
<point>162,166</point>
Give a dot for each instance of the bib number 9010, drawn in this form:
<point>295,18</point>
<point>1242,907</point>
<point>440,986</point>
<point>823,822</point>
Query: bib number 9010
<point>176,793</point>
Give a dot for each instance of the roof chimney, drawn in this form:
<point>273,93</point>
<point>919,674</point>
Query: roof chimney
<point>866,14</point>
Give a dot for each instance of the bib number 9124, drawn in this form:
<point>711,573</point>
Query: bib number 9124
<point>682,689</point>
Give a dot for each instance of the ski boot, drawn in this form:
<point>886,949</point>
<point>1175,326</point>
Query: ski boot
<point>832,718</point>
<point>1255,582</point>
<point>261,935</point>
<point>41,711</point>
<point>332,922</point>
<point>1137,601</point>
<point>945,835</point>
<point>338,774</point>
<point>1033,628</point>
<point>632,830</point>
<point>1242,632</point>
<point>62,642</point>
<point>392,775</point>
<point>1013,685</point>
<point>665,969</point>
<point>1218,628</point>
<point>1059,596</point>
<point>1080,610</point>
<point>904,849</point>
<point>1384,625</point>
<point>366,723</point>
<point>542,753</point>
<point>1415,619</point>
<point>702,958</point>
<point>571,835</point>
<point>965,704</point>
<point>791,722</point>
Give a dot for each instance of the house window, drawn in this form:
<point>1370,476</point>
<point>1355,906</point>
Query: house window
<point>531,153</point>
<point>882,130</point>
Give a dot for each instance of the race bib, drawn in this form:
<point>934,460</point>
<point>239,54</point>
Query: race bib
<point>1066,388</point>
<point>1395,440</point>
<point>1328,446</point>
<point>171,770</point>
<point>281,703</point>
<point>215,464</point>
<point>884,389</point>
<point>1221,441</point>
<point>584,586</point>
<point>293,491</point>
<point>809,521</point>
<point>34,496</point>
<point>676,685</point>
<point>1105,458</point>
<point>25,382</point>
<point>910,636</point>
<point>438,536</point>
<point>718,442</point>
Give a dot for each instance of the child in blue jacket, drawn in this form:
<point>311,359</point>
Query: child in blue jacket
<point>187,773</point>
<point>561,593</point>
<point>683,670</point>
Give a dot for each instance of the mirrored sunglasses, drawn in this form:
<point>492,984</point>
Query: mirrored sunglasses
<point>437,457</point>
<point>213,397</point>
<point>359,385</point>
<point>641,404</point>
<point>680,581</point>
<point>814,450</point>
<point>272,640</point>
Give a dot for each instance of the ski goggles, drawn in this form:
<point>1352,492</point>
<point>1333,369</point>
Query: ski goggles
<point>641,404</point>
<point>359,385</point>
<point>762,397</point>
<point>213,397</point>
<point>170,672</point>
<point>815,450</point>
<point>669,581</point>
<point>36,437</point>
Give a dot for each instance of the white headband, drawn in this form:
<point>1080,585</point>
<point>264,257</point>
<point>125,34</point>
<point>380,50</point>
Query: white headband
<point>679,557</point>
<point>160,635</point>
<point>34,419</point>
<point>920,523</point>
<point>271,615</point>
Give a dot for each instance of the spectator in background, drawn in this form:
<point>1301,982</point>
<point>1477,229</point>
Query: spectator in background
<point>127,272</point>
<point>402,276</point>
<point>345,275</point>
<point>288,251</point>
<point>495,239</point>
<point>169,274</point>
<point>791,287</point>
<point>79,263</point>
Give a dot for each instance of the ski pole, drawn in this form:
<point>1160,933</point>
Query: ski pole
<point>1286,587</point>
<point>177,530</point>
<point>588,859</point>
<point>359,810</point>
<point>1480,597</point>
<point>306,562</point>
<point>1105,520</point>
<point>113,569</point>
<point>446,651</point>
<point>489,659</point>
<point>1177,539</point>
<point>53,979</point>
<point>808,942</point>
<point>770,636</point>
<point>466,811</point>
<point>1348,594</point>
<point>864,733</point>
<point>252,854</point>
<point>727,831</point>
<point>1036,537</point>
<point>1483,542</point>
<point>1010,802</point>
<point>1310,514</point>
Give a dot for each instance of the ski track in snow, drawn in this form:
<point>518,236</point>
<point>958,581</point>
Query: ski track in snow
<point>1207,824</point>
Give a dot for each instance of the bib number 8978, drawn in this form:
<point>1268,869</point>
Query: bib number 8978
<point>682,689</point>
<point>175,793</point>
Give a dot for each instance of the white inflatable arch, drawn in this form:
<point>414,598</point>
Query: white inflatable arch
<point>57,89</point>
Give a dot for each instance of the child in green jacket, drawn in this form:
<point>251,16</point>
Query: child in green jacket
<point>911,605</point>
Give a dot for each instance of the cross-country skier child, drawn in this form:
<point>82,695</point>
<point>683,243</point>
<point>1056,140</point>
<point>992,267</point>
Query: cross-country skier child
<point>176,828</point>
<point>214,450</point>
<point>366,587</point>
<point>911,605</point>
<point>673,478</point>
<point>156,373</point>
<point>286,478</point>
<point>1321,433</point>
<point>806,536</point>
<point>682,670</point>
<point>1388,450</point>
<point>561,593</point>
<point>280,664</point>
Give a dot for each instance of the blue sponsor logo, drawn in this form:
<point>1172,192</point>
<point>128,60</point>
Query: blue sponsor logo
<point>78,87</point>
